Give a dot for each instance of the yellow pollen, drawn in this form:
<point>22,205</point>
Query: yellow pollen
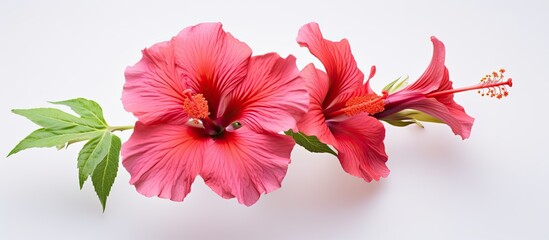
<point>370,103</point>
<point>196,106</point>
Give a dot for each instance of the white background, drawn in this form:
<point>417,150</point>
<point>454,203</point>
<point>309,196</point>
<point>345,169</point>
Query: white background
<point>491,186</point>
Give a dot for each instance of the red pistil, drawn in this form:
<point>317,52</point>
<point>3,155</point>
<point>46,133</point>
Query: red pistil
<point>491,85</point>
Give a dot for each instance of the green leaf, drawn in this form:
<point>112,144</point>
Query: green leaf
<point>104,174</point>
<point>52,118</point>
<point>55,137</point>
<point>311,143</point>
<point>93,152</point>
<point>87,109</point>
<point>60,129</point>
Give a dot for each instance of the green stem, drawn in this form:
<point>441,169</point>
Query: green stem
<point>120,128</point>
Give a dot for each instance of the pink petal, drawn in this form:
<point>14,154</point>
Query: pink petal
<point>453,115</point>
<point>244,164</point>
<point>344,75</point>
<point>445,109</point>
<point>456,110</point>
<point>271,97</point>
<point>362,91</point>
<point>314,122</point>
<point>431,79</point>
<point>360,147</point>
<point>153,87</point>
<point>164,159</point>
<point>213,61</point>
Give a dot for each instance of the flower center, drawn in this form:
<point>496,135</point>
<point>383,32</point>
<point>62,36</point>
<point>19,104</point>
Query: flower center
<point>196,107</point>
<point>491,85</point>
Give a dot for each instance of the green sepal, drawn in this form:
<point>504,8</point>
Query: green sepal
<point>396,84</point>
<point>105,172</point>
<point>407,117</point>
<point>311,143</point>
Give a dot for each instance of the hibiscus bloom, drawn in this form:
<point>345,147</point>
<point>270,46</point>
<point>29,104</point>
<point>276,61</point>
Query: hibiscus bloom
<point>206,107</point>
<point>433,94</point>
<point>341,105</point>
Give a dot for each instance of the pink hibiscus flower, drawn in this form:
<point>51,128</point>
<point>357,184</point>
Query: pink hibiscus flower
<point>433,94</point>
<point>206,107</point>
<point>341,105</point>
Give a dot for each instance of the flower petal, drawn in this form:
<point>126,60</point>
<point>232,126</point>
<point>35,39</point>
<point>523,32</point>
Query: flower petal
<point>456,111</point>
<point>244,164</point>
<point>452,115</point>
<point>445,108</point>
<point>163,160</point>
<point>314,122</point>
<point>360,147</point>
<point>343,73</point>
<point>431,79</point>
<point>271,97</point>
<point>153,87</point>
<point>213,61</point>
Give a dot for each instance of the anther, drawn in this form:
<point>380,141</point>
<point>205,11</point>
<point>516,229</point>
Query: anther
<point>196,106</point>
<point>370,103</point>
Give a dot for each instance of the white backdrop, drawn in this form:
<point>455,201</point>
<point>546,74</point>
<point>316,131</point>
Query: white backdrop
<point>491,186</point>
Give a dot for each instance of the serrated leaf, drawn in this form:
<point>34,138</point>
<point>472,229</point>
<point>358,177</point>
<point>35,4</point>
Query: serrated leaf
<point>93,152</point>
<point>55,137</point>
<point>104,174</point>
<point>87,109</point>
<point>311,143</point>
<point>53,118</point>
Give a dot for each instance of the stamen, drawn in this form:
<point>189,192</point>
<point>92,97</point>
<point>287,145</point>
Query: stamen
<point>491,85</point>
<point>370,103</point>
<point>196,106</point>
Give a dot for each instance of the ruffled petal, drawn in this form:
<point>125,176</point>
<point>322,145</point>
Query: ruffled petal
<point>446,109</point>
<point>314,122</point>
<point>343,73</point>
<point>431,79</point>
<point>452,115</point>
<point>163,160</point>
<point>360,147</point>
<point>271,97</point>
<point>244,164</point>
<point>153,87</point>
<point>456,110</point>
<point>213,61</point>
